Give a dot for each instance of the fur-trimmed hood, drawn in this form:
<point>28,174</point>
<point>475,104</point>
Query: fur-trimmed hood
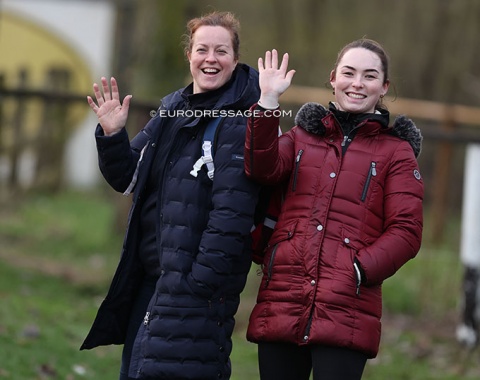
<point>310,115</point>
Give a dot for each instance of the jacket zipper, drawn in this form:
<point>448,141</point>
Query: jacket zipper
<point>359,278</point>
<point>270,265</point>
<point>309,325</point>
<point>371,173</point>
<point>297,166</point>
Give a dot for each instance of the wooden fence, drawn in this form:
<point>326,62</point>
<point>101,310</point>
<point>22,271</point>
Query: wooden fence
<point>445,124</point>
<point>39,122</point>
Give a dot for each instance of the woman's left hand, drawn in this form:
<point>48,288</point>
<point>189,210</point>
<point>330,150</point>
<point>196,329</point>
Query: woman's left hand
<point>273,81</point>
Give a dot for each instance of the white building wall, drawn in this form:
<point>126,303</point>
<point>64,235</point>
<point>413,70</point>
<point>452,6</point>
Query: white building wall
<point>88,28</point>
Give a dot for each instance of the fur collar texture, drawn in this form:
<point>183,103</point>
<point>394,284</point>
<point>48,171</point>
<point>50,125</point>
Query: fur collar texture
<point>310,115</point>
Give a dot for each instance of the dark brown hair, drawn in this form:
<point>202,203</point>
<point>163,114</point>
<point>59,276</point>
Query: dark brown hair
<point>374,47</point>
<point>224,19</point>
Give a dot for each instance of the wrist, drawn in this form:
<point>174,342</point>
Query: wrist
<point>268,102</point>
<point>110,132</point>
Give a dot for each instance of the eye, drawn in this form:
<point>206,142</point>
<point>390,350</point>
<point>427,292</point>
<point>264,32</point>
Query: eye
<point>348,73</point>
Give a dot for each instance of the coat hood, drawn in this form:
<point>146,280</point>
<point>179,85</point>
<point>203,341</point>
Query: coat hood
<point>310,115</point>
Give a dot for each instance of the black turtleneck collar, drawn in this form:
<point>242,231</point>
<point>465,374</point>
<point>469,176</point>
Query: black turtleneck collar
<point>349,120</point>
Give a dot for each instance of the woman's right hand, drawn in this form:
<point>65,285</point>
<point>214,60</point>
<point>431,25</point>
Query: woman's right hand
<point>112,115</point>
<point>273,81</point>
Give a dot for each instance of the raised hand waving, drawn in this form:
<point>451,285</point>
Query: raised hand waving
<point>112,115</point>
<point>274,80</point>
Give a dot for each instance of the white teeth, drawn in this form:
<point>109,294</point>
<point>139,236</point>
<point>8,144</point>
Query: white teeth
<point>356,96</point>
<point>210,71</point>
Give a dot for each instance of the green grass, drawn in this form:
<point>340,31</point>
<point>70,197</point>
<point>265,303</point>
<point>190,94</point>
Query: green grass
<point>43,321</point>
<point>59,252</point>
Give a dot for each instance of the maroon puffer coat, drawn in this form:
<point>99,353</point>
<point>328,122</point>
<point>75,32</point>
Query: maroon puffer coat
<point>364,206</point>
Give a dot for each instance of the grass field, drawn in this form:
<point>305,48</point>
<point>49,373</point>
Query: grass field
<point>58,253</point>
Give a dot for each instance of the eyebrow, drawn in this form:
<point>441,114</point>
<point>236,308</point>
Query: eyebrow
<point>354,69</point>
<point>216,46</point>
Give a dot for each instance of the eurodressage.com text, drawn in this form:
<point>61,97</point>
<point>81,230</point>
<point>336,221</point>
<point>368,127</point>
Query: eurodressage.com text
<point>222,113</point>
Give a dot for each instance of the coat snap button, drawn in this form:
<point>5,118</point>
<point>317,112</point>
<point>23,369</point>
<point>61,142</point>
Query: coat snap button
<point>346,240</point>
<point>312,282</point>
<point>332,175</point>
<point>319,227</point>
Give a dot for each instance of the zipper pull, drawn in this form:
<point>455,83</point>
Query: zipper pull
<point>359,278</point>
<point>345,138</point>
<point>145,319</point>
<point>267,282</point>
<point>299,155</point>
<point>374,170</point>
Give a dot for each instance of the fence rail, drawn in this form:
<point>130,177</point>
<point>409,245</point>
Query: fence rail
<point>445,124</point>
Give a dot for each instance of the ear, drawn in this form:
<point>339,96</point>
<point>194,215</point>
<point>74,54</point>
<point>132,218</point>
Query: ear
<point>332,78</point>
<point>189,55</point>
<point>386,85</point>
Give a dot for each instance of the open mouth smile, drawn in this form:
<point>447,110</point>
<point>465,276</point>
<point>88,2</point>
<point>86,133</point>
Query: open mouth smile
<point>210,71</point>
<point>355,96</point>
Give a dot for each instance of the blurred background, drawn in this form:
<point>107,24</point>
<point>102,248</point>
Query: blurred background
<point>61,227</point>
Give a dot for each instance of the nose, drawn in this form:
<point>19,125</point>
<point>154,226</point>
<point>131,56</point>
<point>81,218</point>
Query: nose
<point>357,82</point>
<point>211,56</point>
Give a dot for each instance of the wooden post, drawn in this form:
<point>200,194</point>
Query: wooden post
<point>52,133</point>
<point>441,176</point>
<point>17,133</point>
<point>467,330</point>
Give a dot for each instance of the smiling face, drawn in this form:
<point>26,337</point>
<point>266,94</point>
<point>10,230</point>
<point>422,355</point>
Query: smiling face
<point>358,81</point>
<point>212,59</point>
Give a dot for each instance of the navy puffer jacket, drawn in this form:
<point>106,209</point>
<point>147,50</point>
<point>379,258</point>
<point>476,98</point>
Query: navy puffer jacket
<point>203,238</point>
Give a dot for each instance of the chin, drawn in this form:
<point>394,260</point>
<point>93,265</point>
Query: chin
<point>210,87</point>
<point>357,110</point>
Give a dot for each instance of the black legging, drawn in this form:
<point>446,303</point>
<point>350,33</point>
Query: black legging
<point>284,361</point>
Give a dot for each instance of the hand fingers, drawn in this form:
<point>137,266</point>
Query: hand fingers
<point>290,75</point>
<point>268,59</point>
<point>126,102</point>
<point>260,65</point>
<point>271,61</point>
<point>98,94</point>
<point>92,104</point>
<point>106,89</point>
<point>284,64</point>
<point>115,92</point>
<point>274,59</point>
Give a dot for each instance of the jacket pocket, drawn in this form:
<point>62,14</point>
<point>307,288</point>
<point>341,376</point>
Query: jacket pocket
<point>282,234</point>
<point>372,172</point>
<point>345,280</point>
<point>297,167</point>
